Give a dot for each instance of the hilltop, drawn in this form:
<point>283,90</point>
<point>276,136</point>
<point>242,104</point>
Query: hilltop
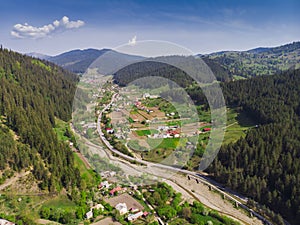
<point>259,61</point>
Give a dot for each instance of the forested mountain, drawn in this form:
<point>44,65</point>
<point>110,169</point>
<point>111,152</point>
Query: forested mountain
<point>156,68</point>
<point>78,61</point>
<point>266,164</point>
<point>32,94</point>
<point>259,61</point>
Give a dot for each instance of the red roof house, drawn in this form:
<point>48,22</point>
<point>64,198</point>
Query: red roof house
<point>206,129</point>
<point>112,192</point>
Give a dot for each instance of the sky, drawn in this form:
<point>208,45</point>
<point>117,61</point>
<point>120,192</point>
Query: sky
<point>55,26</point>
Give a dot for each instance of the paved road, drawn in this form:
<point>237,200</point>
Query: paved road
<point>238,199</point>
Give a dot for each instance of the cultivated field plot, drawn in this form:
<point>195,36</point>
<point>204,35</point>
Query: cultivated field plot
<point>125,198</point>
<point>107,221</point>
<point>136,117</point>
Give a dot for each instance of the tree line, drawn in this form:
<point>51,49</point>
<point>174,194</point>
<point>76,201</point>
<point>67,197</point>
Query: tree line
<point>32,94</point>
<point>265,165</point>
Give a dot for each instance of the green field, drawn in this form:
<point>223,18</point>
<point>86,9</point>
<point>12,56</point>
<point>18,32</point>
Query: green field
<point>237,125</point>
<point>130,120</point>
<point>134,145</point>
<point>162,148</point>
<point>60,129</point>
<point>61,202</point>
<point>146,132</point>
<point>88,175</point>
<point>163,143</point>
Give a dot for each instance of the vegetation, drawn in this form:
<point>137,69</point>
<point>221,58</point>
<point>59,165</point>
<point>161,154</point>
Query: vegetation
<point>261,162</point>
<point>146,132</point>
<point>238,124</point>
<point>265,164</point>
<point>171,208</point>
<point>258,62</point>
<point>154,69</point>
<point>32,94</point>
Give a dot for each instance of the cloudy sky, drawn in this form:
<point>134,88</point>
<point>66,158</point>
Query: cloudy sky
<point>55,26</point>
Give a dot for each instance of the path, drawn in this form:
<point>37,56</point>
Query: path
<point>13,179</point>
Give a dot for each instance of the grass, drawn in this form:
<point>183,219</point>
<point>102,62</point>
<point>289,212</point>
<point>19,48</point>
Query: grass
<point>134,145</point>
<point>162,148</point>
<point>204,115</point>
<point>163,143</point>
<point>88,175</point>
<point>60,129</point>
<point>173,123</point>
<point>157,155</point>
<point>204,219</point>
<point>237,125</point>
<point>60,201</point>
<point>146,132</point>
<point>130,120</point>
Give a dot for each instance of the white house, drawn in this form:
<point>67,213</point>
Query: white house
<point>132,217</point>
<point>89,214</point>
<point>105,184</point>
<point>163,128</point>
<point>122,208</point>
<point>146,95</point>
<point>98,206</point>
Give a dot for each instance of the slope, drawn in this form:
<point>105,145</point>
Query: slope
<point>259,61</point>
<point>265,165</point>
<point>32,94</point>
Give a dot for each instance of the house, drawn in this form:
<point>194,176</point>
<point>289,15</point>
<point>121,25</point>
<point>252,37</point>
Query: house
<point>6,222</point>
<point>163,128</point>
<point>146,95</point>
<point>89,214</point>
<point>110,130</point>
<point>174,133</point>
<point>206,129</point>
<point>104,184</point>
<point>122,208</point>
<point>132,217</point>
<point>98,207</point>
<point>137,104</point>
<point>116,189</point>
<point>133,210</point>
<point>145,214</point>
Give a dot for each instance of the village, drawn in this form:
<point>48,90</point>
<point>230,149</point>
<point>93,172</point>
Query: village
<point>118,198</point>
<point>143,121</point>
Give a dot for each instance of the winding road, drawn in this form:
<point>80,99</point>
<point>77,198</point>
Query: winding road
<point>238,199</point>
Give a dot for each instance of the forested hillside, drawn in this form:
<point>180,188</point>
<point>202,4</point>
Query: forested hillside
<point>32,94</point>
<point>266,164</point>
<point>155,68</point>
<point>260,61</point>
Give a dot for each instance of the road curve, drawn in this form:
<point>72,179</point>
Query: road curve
<point>239,200</point>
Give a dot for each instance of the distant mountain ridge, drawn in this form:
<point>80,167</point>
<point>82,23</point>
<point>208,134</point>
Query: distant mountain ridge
<point>259,61</point>
<point>226,64</point>
<point>38,55</point>
<point>78,61</point>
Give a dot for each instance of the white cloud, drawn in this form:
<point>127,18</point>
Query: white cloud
<point>132,41</point>
<point>27,31</point>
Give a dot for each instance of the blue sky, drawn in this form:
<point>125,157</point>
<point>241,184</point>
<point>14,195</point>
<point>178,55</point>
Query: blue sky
<point>202,26</point>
